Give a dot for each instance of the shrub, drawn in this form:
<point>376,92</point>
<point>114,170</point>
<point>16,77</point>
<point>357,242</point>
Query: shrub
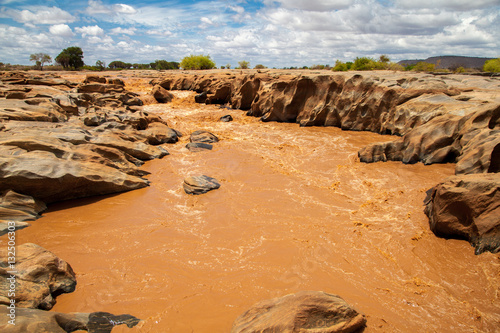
<point>492,65</point>
<point>197,62</point>
<point>364,64</point>
<point>423,66</point>
<point>244,64</point>
<point>260,66</point>
<point>340,67</point>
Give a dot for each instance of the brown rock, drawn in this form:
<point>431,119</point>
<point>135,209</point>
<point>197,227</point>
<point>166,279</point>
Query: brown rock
<point>306,311</point>
<point>162,95</point>
<point>34,320</point>
<point>203,137</point>
<point>94,79</point>
<point>200,184</point>
<point>19,207</point>
<point>467,207</point>
<point>39,277</point>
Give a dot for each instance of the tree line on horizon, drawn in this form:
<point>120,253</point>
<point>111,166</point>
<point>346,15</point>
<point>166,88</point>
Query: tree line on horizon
<point>71,58</point>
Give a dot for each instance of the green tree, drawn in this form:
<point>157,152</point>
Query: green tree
<point>228,66</point>
<point>260,66</point>
<point>244,64</point>
<point>100,65</point>
<point>71,57</point>
<point>197,62</point>
<point>340,67</point>
<point>40,59</point>
<point>492,65</point>
<point>384,59</point>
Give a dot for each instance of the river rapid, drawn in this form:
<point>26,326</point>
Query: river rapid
<point>296,210</point>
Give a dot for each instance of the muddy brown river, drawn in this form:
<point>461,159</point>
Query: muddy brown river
<point>296,211</point>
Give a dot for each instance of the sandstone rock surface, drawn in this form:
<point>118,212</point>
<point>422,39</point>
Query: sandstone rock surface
<point>467,207</point>
<point>39,278</point>
<point>306,311</point>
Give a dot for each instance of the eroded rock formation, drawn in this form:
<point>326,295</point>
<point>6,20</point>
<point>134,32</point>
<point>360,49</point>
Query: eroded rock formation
<point>40,276</point>
<point>306,311</point>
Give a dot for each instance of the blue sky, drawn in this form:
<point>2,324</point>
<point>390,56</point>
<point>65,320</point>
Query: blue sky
<point>273,33</point>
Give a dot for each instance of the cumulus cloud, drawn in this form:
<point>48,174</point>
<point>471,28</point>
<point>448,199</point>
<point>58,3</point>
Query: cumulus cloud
<point>39,15</point>
<point>62,30</point>
<point>313,5</point>
<point>97,7</point>
<point>94,30</point>
<point>123,31</point>
<point>460,5</point>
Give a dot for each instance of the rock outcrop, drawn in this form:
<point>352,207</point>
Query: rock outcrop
<point>33,320</point>
<point>19,207</point>
<point>40,276</point>
<point>467,207</point>
<point>65,141</point>
<point>305,311</point>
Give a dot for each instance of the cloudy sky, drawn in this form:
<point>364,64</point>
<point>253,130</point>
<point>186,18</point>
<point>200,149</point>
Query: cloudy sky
<point>280,33</point>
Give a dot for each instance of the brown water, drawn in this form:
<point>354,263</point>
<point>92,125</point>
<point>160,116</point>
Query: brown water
<point>296,211</point>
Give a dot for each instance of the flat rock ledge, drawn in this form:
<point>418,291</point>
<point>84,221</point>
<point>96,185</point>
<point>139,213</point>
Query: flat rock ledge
<point>34,320</point>
<point>200,184</point>
<point>306,311</point>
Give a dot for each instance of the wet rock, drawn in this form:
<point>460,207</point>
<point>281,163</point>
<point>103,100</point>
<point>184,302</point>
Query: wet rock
<point>19,207</point>
<point>201,98</point>
<point>158,133</point>
<point>162,95</point>
<point>200,184</point>
<point>227,118</point>
<point>34,320</point>
<point>467,207</point>
<point>8,226</point>
<point>39,278</point>
<point>306,311</point>
<point>198,146</point>
<point>204,137</point>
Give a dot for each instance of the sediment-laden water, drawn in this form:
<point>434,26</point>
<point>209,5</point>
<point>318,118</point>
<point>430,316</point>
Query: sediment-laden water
<point>296,211</point>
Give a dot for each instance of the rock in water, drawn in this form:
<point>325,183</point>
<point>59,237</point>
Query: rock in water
<point>200,184</point>
<point>204,137</point>
<point>467,207</point>
<point>227,118</point>
<point>19,207</point>
<point>198,146</point>
<point>162,95</point>
<point>34,320</point>
<point>305,311</point>
<point>40,277</point>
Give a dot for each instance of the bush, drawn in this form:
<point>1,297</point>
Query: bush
<point>423,66</point>
<point>259,66</point>
<point>340,66</point>
<point>364,64</point>
<point>197,62</point>
<point>244,64</point>
<point>492,65</point>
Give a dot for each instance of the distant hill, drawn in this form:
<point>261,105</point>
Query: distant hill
<point>450,62</point>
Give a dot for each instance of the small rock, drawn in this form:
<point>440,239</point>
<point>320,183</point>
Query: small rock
<point>200,184</point>
<point>198,146</point>
<point>305,311</point>
<point>201,98</point>
<point>227,118</point>
<point>204,137</point>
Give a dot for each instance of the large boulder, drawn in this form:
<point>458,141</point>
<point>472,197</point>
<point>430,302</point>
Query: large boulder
<point>306,311</point>
<point>34,320</point>
<point>39,277</point>
<point>162,95</point>
<point>467,207</point>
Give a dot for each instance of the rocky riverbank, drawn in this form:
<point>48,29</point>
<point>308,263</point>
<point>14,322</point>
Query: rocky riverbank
<point>440,119</point>
<point>64,139</point>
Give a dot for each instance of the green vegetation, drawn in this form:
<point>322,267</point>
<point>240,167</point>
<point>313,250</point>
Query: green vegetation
<point>320,67</point>
<point>119,65</point>
<point>260,66</point>
<point>243,64</point>
<point>492,65</point>
<point>163,65</point>
<point>40,59</point>
<point>423,66</point>
<point>197,62</point>
<point>71,57</point>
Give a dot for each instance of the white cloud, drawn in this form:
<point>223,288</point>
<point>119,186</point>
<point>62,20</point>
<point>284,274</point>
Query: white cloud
<point>122,31</point>
<point>460,5</point>
<point>313,5</point>
<point>90,31</point>
<point>62,30</point>
<point>97,7</point>
<point>39,15</point>
<point>159,32</point>
<point>206,20</point>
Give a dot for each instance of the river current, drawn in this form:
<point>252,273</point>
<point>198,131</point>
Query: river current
<point>296,210</point>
